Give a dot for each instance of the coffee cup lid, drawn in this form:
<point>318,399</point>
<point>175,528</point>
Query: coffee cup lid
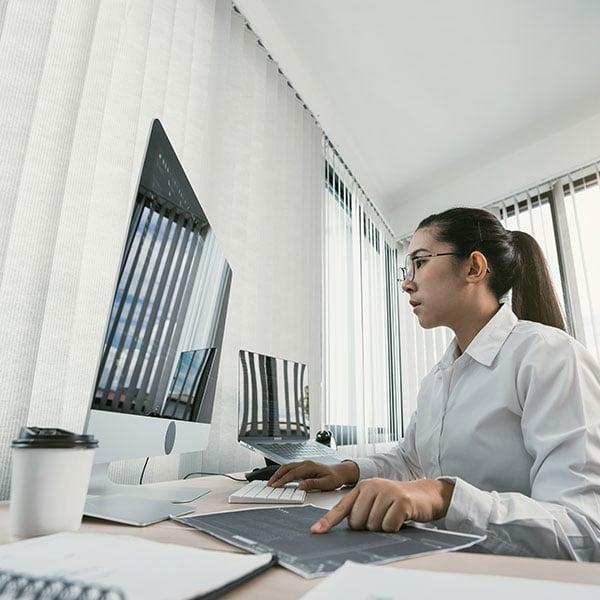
<point>51,437</point>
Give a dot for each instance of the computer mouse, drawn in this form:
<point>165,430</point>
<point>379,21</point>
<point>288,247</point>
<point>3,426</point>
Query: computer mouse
<point>263,473</point>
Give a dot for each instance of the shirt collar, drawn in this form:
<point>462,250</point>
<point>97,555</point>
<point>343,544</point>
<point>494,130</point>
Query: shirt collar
<point>487,343</point>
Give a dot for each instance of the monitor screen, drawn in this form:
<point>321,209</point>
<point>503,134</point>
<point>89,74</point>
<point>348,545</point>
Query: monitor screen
<point>273,398</point>
<point>156,379</point>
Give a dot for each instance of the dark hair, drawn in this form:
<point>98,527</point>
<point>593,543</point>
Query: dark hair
<point>515,260</point>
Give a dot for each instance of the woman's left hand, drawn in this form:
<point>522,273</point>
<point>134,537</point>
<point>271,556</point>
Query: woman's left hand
<point>384,505</point>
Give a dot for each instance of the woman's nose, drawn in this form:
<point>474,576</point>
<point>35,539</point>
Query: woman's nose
<point>407,285</point>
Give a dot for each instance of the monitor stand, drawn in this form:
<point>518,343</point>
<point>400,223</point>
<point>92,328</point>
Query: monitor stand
<point>136,504</point>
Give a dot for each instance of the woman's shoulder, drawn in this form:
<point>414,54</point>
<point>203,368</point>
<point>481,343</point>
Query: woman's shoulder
<point>552,362</point>
<point>537,337</point>
<point>534,329</point>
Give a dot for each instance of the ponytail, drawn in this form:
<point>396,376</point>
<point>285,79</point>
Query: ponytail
<point>515,260</point>
<point>533,295</point>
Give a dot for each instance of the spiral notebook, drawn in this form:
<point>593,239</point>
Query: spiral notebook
<point>86,566</point>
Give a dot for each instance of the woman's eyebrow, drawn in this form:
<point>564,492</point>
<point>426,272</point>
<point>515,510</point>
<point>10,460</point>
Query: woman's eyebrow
<point>414,252</point>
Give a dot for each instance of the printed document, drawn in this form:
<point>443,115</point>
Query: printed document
<point>285,532</point>
<point>368,582</point>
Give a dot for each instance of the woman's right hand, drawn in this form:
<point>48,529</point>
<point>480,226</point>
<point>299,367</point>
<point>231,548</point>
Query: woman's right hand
<point>316,476</point>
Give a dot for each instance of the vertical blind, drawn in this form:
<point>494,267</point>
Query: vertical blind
<point>361,346</point>
<point>82,83</point>
<point>578,195</point>
<point>562,214</point>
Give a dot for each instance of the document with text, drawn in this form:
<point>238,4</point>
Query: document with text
<point>285,532</point>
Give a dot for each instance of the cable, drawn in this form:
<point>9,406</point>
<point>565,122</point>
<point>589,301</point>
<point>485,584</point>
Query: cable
<point>204,473</point>
<point>190,474</point>
<point>144,469</point>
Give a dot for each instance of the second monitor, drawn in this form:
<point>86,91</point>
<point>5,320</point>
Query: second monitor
<point>274,410</point>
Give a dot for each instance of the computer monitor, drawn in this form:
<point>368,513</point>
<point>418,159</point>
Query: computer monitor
<point>156,378</point>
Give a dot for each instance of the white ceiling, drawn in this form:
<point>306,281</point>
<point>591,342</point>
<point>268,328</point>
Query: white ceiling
<point>415,92</point>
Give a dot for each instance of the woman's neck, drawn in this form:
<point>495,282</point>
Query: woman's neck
<point>473,322</point>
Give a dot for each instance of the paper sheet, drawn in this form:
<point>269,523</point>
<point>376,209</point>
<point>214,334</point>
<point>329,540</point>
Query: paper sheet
<point>143,569</point>
<point>354,581</point>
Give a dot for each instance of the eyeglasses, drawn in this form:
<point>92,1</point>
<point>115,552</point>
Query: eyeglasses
<point>407,272</point>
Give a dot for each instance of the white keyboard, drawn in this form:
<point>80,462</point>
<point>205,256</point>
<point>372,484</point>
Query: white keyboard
<point>258,492</point>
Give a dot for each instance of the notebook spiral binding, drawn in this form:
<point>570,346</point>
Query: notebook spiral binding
<point>25,587</point>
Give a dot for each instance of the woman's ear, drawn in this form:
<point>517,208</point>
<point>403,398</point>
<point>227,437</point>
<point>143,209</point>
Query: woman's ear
<point>478,266</point>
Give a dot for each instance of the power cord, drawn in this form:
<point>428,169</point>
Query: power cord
<point>205,473</point>
<point>189,474</point>
<point>144,469</point>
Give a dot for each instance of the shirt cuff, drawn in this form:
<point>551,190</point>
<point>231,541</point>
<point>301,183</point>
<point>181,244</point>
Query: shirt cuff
<point>366,467</point>
<point>470,508</point>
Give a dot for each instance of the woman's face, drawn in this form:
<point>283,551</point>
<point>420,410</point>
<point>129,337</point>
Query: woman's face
<point>437,292</point>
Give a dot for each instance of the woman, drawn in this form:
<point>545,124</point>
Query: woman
<point>506,437</point>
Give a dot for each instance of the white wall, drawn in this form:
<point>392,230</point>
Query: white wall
<point>550,157</point>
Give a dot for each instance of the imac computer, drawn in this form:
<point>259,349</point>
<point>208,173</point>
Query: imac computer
<point>156,377</point>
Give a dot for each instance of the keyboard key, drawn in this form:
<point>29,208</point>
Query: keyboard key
<point>258,492</point>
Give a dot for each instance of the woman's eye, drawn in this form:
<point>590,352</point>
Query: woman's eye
<point>418,262</point>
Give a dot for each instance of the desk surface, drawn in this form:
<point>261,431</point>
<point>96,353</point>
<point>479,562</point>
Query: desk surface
<point>280,583</point>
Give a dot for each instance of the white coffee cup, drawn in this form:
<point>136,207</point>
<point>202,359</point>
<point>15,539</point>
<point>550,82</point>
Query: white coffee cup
<point>50,476</point>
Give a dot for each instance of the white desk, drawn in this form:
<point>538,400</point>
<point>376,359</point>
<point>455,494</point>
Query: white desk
<point>279,583</point>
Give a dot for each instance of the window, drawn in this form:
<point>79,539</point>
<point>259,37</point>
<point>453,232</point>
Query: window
<point>562,215</point>
<point>361,357</point>
<point>582,210</point>
<point>531,212</point>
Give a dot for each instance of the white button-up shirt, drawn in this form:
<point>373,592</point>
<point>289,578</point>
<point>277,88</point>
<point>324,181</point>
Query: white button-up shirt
<point>514,422</point>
